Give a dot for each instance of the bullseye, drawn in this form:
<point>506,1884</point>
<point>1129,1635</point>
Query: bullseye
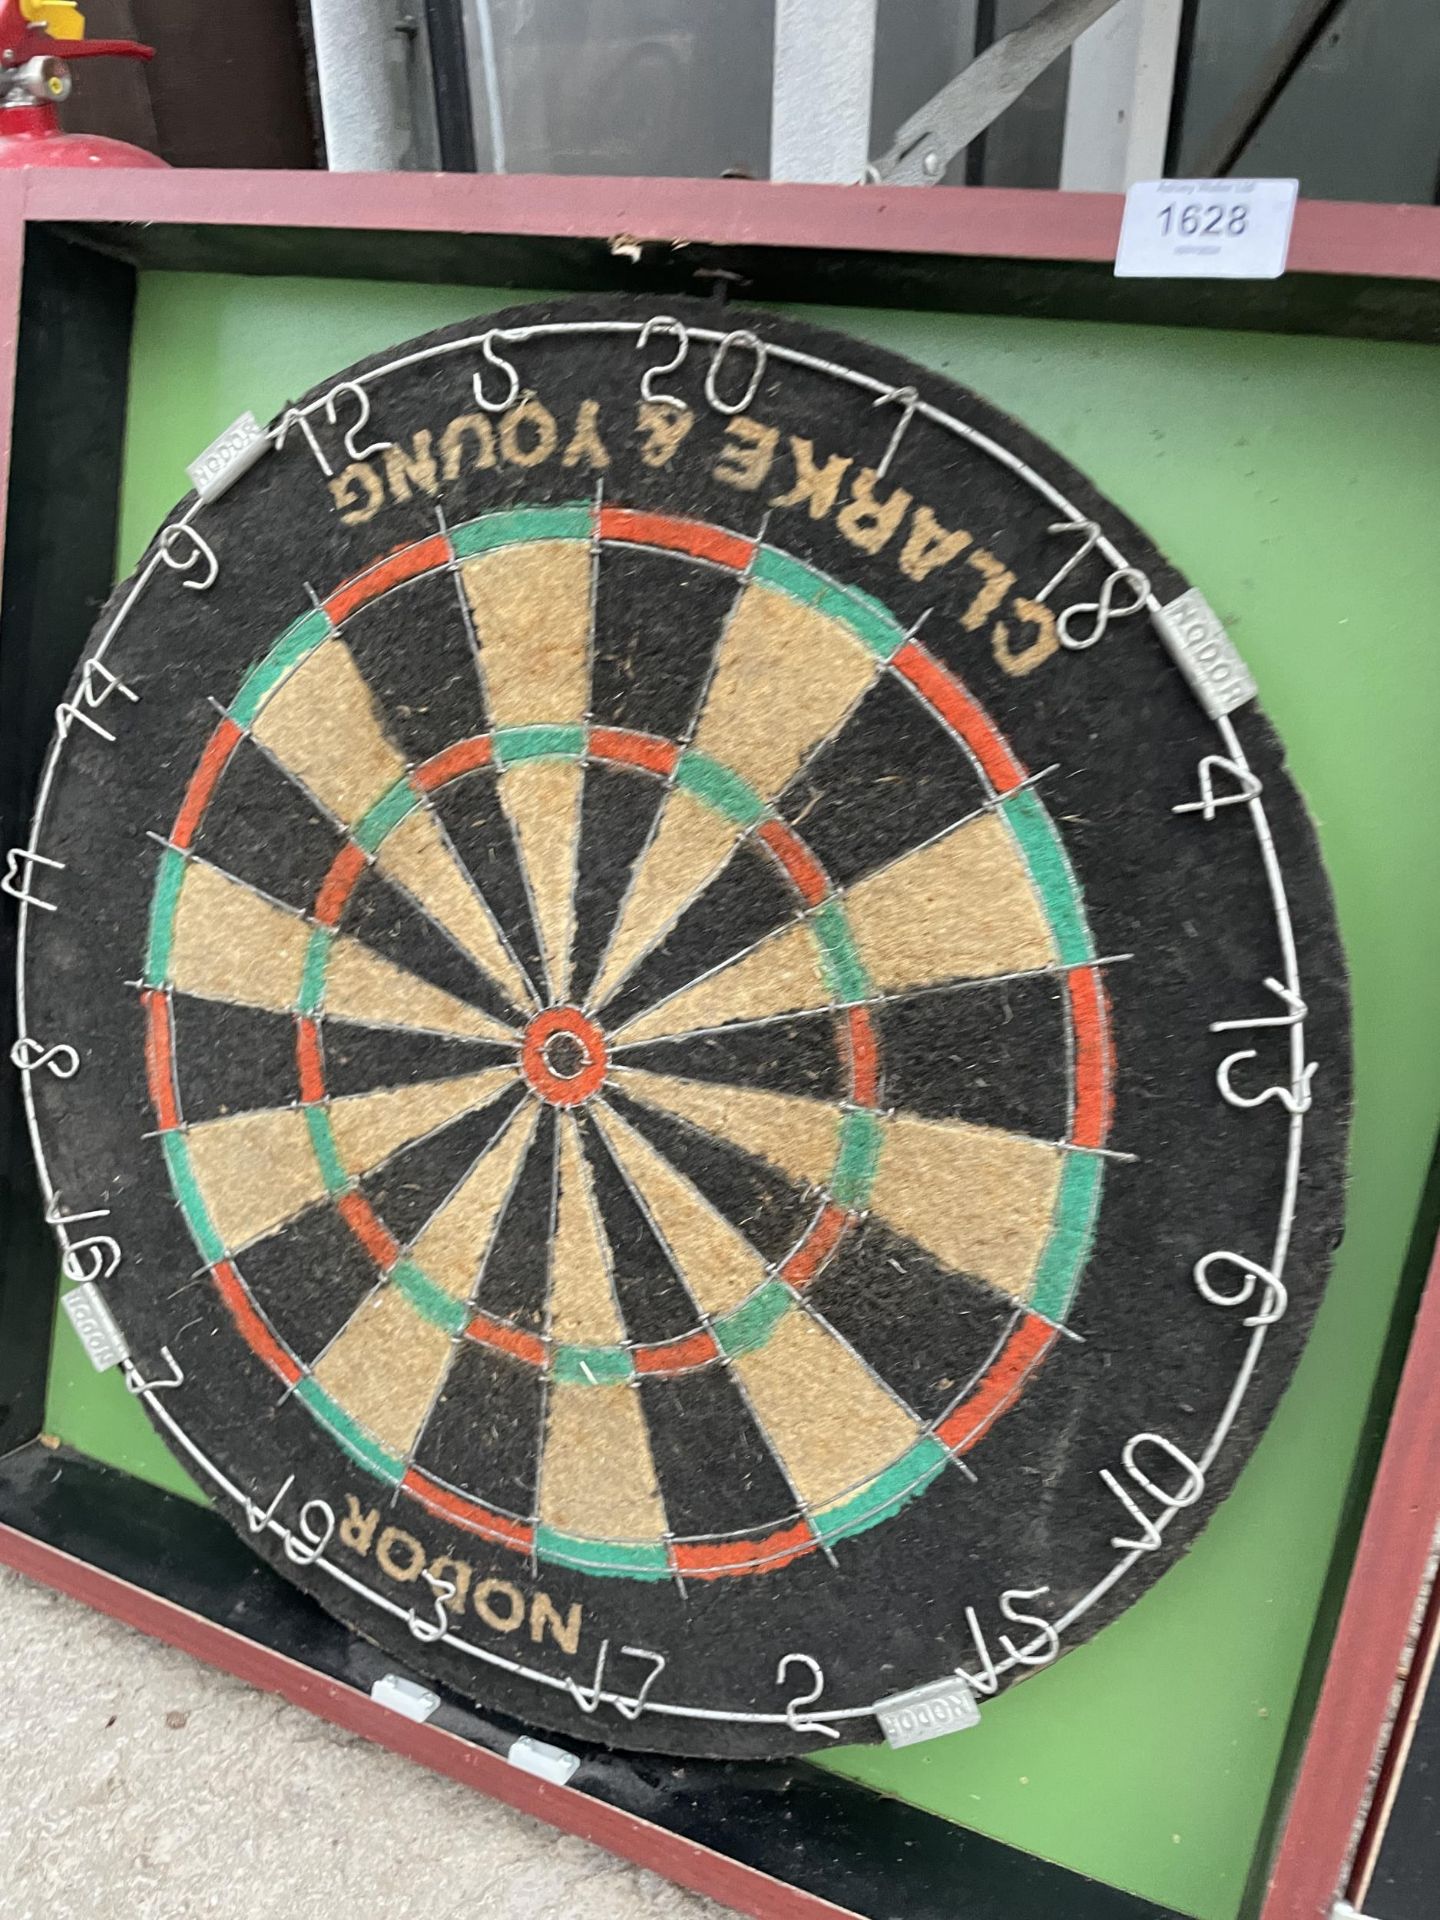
<point>564,1056</point>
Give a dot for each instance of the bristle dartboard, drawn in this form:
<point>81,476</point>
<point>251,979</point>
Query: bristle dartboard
<point>677,999</point>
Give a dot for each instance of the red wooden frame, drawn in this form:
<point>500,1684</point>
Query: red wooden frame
<point>1353,245</point>
<point>1369,1649</point>
<point>1330,237</point>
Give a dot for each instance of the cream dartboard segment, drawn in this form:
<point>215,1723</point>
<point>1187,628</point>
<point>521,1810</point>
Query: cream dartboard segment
<point>713,1056</point>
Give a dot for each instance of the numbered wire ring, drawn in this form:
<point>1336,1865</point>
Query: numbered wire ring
<point>502,366</point>
<point>1276,1298</point>
<point>353,390</point>
<point>656,396</point>
<point>182,547</point>
<point>29,1055</point>
<point>1104,609</point>
<point>744,397</point>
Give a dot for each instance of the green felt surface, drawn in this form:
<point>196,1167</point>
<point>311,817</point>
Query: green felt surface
<point>1295,481</point>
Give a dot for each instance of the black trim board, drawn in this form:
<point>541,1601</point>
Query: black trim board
<point>1337,305</point>
<point>72,381</point>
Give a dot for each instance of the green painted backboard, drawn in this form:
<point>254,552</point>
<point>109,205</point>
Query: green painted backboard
<point>1295,480</point>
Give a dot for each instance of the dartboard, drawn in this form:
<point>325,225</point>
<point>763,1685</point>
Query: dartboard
<point>682,1027</point>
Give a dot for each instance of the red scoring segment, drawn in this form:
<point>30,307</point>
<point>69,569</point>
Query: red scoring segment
<point>564,1056</point>
<point>1030,1340</point>
<point>945,695</point>
<point>806,874</point>
<point>213,761</point>
<point>665,530</point>
<point>405,563</point>
<point>1090,1013</point>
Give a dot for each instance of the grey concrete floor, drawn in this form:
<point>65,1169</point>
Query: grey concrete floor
<point>136,1784</point>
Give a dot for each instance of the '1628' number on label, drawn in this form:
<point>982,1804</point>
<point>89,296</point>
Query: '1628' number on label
<point>1212,219</point>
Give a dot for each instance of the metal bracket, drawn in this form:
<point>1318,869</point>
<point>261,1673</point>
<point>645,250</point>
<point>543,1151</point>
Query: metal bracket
<point>1204,652</point>
<point>545,1760</point>
<point>944,127</point>
<point>229,455</point>
<point>947,1705</point>
<point>405,1697</point>
<point>95,1326</point>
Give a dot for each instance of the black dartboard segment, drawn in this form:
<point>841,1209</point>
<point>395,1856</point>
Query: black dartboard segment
<point>703,1087</point>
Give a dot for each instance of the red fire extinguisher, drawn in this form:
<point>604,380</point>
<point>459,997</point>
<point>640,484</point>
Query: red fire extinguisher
<point>37,38</point>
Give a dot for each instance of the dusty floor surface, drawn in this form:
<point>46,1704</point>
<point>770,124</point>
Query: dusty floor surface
<point>136,1784</point>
